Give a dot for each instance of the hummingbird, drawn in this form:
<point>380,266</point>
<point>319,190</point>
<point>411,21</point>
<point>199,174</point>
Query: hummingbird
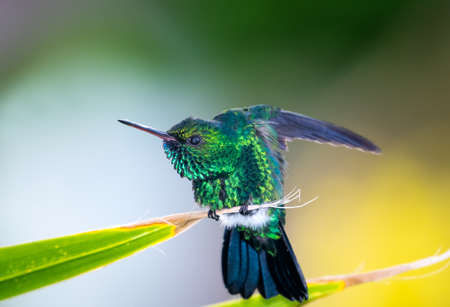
<point>237,160</point>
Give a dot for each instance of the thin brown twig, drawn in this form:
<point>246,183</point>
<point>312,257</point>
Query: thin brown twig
<point>183,221</point>
<point>359,278</point>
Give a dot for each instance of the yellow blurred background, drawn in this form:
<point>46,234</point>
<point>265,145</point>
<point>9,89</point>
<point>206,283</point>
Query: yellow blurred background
<point>68,72</point>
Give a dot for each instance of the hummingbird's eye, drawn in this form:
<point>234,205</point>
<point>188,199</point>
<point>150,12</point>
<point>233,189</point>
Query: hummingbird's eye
<point>194,140</point>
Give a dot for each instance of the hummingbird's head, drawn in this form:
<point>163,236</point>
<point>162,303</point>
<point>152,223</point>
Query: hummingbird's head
<point>197,149</point>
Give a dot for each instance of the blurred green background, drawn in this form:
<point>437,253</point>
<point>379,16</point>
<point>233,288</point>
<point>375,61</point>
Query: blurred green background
<point>69,70</point>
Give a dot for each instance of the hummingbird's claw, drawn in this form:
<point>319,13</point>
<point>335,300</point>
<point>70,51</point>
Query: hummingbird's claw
<point>213,215</point>
<point>244,209</point>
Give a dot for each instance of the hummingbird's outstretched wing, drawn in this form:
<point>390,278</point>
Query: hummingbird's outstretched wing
<point>273,122</point>
<point>290,126</point>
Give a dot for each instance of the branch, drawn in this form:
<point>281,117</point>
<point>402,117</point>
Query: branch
<point>183,221</point>
<point>360,278</point>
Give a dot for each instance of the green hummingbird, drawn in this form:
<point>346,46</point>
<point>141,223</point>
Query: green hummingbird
<point>237,159</point>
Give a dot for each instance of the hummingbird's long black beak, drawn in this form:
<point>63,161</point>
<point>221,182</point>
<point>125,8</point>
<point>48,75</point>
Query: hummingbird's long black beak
<point>161,134</point>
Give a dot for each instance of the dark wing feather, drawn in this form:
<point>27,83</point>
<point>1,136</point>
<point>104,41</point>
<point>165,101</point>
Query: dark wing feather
<point>291,126</point>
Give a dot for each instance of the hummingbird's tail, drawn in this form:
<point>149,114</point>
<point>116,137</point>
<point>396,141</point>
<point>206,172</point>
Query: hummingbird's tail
<point>244,268</point>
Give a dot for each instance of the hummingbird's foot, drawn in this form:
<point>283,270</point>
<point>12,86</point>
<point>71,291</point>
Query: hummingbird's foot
<point>213,215</point>
<point>244,209</point>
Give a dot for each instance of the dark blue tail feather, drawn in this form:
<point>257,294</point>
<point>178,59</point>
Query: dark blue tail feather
<point>266,286</point>
<point>286,270</point>
<point>244,269</point>
<point>252,278</point>
<point>232,254</point>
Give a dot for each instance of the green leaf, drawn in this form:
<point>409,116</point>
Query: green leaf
<point>30,266</point>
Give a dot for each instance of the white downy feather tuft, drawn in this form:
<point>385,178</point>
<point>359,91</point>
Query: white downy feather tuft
<point>256,220</point>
